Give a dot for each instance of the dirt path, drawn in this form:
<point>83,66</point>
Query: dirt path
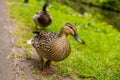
<point>6,44</point>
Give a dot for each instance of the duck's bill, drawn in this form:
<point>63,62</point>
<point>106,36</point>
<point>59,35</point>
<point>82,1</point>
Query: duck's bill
<point>78,39</point>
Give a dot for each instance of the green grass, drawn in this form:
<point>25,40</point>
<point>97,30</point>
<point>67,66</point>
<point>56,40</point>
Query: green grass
<point>99,58</point>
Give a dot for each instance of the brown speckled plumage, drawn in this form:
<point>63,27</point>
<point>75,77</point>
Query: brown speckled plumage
<point>54,46</point>
<point>49,45</point>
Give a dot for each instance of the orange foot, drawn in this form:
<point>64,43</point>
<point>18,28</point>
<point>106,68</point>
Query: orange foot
<point>46,71</point>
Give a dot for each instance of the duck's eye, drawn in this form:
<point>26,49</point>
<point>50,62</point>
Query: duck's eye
<point>71,27</point>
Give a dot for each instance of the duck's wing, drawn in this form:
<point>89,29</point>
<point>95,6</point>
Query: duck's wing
<point>43,40</point>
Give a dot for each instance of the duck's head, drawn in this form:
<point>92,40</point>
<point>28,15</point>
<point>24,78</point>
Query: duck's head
<point>70,29</point>
<point>45,7</point>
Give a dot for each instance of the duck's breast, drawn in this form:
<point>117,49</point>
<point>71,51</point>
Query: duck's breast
<point>42,19</point>
<point>59,50</point>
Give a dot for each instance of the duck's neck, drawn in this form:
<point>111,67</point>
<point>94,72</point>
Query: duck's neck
<point>63,35</point>
<point>44,8</point>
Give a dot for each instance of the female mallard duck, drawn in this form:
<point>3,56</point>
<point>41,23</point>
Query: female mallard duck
<point>54,46</point>
<point>43,18</point>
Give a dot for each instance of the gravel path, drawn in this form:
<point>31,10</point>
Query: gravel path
<point>6,44</point>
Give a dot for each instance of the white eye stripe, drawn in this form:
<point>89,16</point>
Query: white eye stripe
<point>71,26</point>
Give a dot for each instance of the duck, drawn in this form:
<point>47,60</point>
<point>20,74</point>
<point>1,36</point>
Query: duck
<point>43,18</point>
<point>52,46</point>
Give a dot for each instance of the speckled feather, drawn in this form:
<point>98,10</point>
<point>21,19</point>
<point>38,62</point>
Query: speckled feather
<point>49,45</point>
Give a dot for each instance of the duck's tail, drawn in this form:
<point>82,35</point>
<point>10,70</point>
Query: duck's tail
<point>29,41</point>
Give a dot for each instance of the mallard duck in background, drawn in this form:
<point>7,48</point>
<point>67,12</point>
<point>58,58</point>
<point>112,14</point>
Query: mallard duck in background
<point>43,18</point>
<point>53,46</point>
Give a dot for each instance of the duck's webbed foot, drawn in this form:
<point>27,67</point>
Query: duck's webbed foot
<point>45,68</point>
<point>46,71</point>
